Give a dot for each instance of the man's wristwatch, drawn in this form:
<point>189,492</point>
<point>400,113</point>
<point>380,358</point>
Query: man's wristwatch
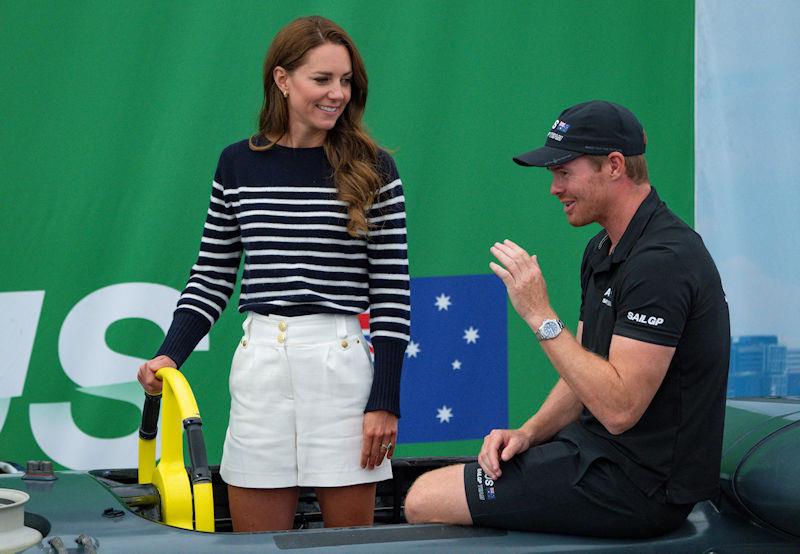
<point>549,329</point>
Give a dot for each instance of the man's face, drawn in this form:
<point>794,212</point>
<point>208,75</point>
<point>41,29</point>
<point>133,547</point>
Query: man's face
<point>581,189</point>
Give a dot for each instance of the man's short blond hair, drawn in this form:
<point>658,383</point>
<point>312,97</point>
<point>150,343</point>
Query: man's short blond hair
<point>635,167</point>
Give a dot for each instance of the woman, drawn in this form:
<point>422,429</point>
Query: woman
<point>318,211</point>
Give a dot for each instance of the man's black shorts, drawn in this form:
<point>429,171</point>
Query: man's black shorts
<point>549,489</point>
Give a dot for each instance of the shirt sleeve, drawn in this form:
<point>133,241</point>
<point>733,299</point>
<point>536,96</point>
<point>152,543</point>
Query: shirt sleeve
<point>389,293</point>
<point>654,298</point>
<point>211,279</point>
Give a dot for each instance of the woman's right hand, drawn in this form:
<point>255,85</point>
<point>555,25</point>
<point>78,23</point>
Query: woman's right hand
<point>147,373</point>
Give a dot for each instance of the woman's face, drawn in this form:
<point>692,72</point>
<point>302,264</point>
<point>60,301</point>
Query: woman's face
<point>318,92</point>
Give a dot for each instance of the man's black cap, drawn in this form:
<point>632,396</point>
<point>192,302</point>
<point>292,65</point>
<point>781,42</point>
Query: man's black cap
<point>596,127</point>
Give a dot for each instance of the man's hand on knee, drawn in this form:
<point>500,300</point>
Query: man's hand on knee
<point>501,445</point>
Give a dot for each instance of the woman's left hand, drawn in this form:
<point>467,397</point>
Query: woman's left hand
<point>380,437</point>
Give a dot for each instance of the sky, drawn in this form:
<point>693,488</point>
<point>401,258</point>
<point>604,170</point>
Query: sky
<point>747,133</point>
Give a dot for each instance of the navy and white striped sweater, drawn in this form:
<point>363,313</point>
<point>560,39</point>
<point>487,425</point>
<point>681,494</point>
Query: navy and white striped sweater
<point>279,207</point>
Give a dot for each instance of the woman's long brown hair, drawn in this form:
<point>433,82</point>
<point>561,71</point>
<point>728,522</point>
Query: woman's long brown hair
<point>350,150</point>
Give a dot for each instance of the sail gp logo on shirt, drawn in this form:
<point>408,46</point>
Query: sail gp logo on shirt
<point>644,318</point>
<point>607,297</point>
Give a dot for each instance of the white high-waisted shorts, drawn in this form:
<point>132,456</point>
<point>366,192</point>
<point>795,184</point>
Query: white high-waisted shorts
<point>299,386</point>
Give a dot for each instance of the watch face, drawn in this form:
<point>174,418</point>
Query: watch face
<point>550,329</point>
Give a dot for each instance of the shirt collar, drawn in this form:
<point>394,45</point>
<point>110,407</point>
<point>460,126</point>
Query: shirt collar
<point>632,233</point>
<point>636,226</point>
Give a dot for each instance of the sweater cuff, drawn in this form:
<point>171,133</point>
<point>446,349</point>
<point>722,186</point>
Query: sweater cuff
<point>187,329</point>
<point>385,393</point>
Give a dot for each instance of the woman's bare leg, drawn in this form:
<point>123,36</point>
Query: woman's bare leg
<point>349,506</point>
<point>262,509</point>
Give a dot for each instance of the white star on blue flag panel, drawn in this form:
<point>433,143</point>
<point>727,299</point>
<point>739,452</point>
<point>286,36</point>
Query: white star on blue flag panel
<point>475,397</point>
<point>444,414</point>
<point>412,350</point>
<point>442,302</point>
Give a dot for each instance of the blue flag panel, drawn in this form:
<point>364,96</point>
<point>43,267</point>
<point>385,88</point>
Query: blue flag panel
<point>455,380</point>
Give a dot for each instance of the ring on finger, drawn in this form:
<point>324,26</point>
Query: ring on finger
<point>386,446</point>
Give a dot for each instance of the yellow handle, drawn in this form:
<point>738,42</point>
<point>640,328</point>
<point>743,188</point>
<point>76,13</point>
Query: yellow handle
<point>182,394</point>
<point>169,477</point>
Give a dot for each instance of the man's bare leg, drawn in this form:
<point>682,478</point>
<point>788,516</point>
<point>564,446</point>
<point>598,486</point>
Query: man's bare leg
<point>439,497</point>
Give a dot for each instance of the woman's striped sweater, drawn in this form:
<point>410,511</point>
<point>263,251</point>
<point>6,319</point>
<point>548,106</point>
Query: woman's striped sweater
<point>279,207</point>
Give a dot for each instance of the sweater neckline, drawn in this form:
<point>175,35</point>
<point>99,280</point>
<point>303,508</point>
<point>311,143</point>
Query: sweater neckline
<point>297,149</point>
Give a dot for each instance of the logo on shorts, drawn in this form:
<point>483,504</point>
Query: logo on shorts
<point>485,485</point>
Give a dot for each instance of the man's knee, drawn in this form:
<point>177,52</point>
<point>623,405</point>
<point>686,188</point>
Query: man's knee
<point>438,497</point>
<point>416,505</point>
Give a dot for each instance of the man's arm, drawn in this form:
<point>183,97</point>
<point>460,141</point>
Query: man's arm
<point>617,391</point>
<point>560,408</point>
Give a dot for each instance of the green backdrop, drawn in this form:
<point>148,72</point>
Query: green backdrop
<point>114,114</point>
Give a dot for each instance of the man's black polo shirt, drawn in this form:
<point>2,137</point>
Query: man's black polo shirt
<point>660,286</point>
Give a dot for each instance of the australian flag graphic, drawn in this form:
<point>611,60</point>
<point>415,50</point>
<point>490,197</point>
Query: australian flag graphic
<point>455,383</point>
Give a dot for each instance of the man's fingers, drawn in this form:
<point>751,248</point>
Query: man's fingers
<point>514,248</point>
<point>514,258</point>
<point>484,461</point>
<point>511,450</point>
<point>502,253</point>
<point>508,262</point>
<point>493,463</point>
<point>504,275</point>
<point>490,459</point>
<point>519,254</point>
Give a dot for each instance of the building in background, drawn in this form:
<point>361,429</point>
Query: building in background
<point>762,366</point>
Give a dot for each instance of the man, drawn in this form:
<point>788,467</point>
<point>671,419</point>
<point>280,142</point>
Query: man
<point>629,438</point>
